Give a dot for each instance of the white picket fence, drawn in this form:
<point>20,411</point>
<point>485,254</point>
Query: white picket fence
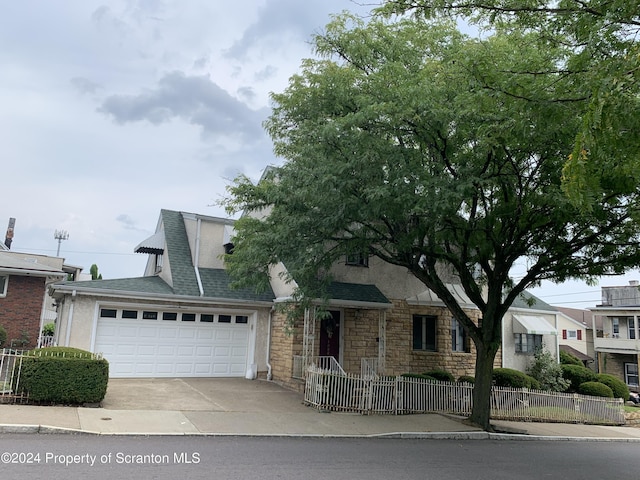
<point>402,395</point>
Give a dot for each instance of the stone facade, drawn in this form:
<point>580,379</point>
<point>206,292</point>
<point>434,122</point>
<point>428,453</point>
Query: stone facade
<point>362,335</point>
<point>21,309</point>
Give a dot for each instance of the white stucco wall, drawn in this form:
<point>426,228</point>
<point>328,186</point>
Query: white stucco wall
<point>521,361</point>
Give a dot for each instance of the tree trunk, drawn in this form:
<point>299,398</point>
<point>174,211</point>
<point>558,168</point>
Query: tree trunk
<point>481,412</point>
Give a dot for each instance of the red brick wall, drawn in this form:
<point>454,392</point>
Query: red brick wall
<point>21,309</point>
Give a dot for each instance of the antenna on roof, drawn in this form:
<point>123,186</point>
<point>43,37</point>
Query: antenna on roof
<point>60,235</point>
<point>9,237</point>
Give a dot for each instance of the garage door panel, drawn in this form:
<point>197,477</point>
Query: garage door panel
<point>145,348</point>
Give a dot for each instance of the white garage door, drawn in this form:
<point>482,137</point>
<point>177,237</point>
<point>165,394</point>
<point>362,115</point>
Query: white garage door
<point>169,344</point>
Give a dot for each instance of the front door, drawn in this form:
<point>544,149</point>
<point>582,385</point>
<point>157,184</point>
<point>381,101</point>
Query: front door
<point>330,336</point>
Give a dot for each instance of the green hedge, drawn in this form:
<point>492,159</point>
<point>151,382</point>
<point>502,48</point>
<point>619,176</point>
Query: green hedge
<point>441,375</point>
<point>466,379</point>
<point>64,376</point>
<point>418,375</point>
<point>577,375</point>
<point>569,359</point>
<point>595,389</point>
<point>508,377</point>
<point>619,388</point>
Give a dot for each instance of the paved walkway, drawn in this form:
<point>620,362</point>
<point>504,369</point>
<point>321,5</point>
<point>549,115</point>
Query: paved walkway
<point>244,407</point>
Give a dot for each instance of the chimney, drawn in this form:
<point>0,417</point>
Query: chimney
<point>9,238</point>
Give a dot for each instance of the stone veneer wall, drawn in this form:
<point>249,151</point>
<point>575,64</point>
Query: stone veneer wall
<point>613,363</point>
<point>360,338</point>
<point>284,346</point>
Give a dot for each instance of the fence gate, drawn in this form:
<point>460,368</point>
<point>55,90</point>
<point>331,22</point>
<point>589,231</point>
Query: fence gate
<point>10,369</point>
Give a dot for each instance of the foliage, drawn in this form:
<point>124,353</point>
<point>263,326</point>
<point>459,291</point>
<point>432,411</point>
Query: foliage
<point>546,370</point>
<point>412,143</point>
<point>595,389</point>
<point>466,379</point>
<point>3,336</point>
<point>508,377</point>
<point>577,374</point>
<point>64,376</point>
<point>601,60</point>
<point>418,375</point>
<point>619,388</point>
<point>49,329</point>
<point>94,272</point>
<point>441,375</point>
<point>567,358</point>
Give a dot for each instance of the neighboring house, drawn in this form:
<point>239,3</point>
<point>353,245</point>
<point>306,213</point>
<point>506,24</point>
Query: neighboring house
<point>529,325</point>
<point>23,295</point>
<point>180,319</point>
<point>576,334</point>
<point>618,349</point>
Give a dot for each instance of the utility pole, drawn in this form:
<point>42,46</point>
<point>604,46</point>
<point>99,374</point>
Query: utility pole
<point>60,235</point>
<point>9,237</point>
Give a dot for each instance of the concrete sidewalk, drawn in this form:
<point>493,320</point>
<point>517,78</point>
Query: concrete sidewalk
<point>257,408</point>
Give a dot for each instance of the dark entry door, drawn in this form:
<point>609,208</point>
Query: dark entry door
<point>330,336</point>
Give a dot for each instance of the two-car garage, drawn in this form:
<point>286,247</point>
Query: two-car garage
<point>148,342</point>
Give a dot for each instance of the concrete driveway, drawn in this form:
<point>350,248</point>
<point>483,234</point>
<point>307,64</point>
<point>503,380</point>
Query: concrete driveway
<point>201,395</point>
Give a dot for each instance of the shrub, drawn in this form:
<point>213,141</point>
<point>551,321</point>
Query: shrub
<point>547,372</point>
<point>441,375</point>
<point>595,389</point>
<point>577,375</point>
<point>567,358</point>
<point>3,336</point>
<point>620,389</point>
<point>508,377</point>
<point>64,375</point>
<point>466,379</point>
<point>418,375</point>
<point>49,329</point>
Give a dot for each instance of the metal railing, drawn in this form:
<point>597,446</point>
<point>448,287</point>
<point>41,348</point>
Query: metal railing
<point>326,363</point>
<point>401,395</point>
<point>369,367</point>
<point>10,369</point>
<point>46,341</point>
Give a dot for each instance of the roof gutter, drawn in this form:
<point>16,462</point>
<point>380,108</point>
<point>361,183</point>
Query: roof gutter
<point>33,273</point>
<point>197,258</point>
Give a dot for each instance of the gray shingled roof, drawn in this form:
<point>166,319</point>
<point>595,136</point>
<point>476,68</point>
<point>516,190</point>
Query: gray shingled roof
<point>356,292</point>
<point>216,281</point>
<point>536,303</point>
<point>134,285</point>
<point>183,275</point>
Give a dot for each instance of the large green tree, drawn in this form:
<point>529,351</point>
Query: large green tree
<point>601,53</point>
<point>433,152</point>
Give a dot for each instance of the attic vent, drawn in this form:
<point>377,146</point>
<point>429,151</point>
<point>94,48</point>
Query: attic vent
<point>228,248</point>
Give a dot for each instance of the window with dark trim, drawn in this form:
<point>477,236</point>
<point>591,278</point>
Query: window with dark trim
<point>242,319</point>
<point>150,315</point>
<point>459,341</point>
<point>4,282</point>
<point>357,259</point>
<point>169,316</point>
<point>224,318</point>
<point>108,313</point>
<point>129,314</point>
<point>424,333</point>
<point>188,317</point>
<point>206,318</point>
<point>527,343</point>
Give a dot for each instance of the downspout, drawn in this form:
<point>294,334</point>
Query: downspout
<point>197,259</point>
<point>70,318</point>
<point>269,374</point>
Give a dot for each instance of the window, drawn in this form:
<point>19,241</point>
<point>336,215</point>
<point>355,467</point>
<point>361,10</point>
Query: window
<point>458,337</point>
<point>631,374</point>
<point>169,316</point>
<point>358,259</point>
<point>129,314</point>
<point>188,317</point>
<point>615,324</point>
<point>108,312</point>
<point>632,329</point>
<point>159,261</point>
<point>224,318</point>
<point>4,281</point>
<point>150,315</point>
<point>527,343</point>
<point>572,334</point>
<point>424,333</point>
<point>206,317</point>
<point>242,319</point>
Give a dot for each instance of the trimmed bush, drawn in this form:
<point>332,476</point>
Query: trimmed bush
<point>466,379</point>
<point>508,377</point>
<point>577,375</point>
<point>620,389</point>
<point>441,375</point>
<point>49,329</point>
<point>63,375</point>
<point>595,389</point>
<point>418,375</point>
<point>569,359</point>
<point>3,337</point>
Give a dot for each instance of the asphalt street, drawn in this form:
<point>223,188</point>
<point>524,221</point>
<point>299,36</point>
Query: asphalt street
<point>58,457</point>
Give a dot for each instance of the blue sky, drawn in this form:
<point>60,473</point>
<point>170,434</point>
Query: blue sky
<point>114,110</point>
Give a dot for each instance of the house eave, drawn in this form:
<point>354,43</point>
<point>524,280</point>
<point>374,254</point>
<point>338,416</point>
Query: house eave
<point>97,292</point>
<point>31,273</point>
<point>341,303</point>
